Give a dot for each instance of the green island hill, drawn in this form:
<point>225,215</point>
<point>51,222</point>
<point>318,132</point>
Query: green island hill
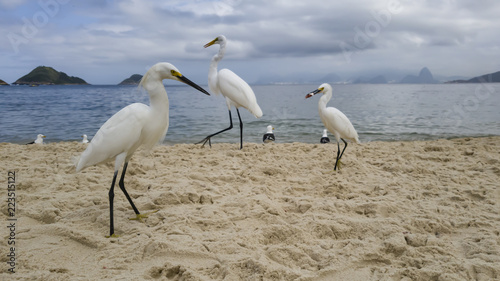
<point>45,75</point>
<point>134,79</point>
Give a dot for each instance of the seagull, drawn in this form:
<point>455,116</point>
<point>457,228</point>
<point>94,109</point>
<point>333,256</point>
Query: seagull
<point>324,138</point>
<point>269,136</point>
<point>237,92</point>
<point>334,120</point>
<point>134,125</point>
<point>39,139</point>
<point>85,140</point>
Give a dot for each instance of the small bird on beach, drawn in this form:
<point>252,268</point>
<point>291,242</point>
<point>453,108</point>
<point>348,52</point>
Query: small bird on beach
<point>334,120</point>
<point>39,139</point>
<point>236,91</point>
<point>85,140</point>
<point>134,125</point>
<point>269,136</point>
<point>324,138</point>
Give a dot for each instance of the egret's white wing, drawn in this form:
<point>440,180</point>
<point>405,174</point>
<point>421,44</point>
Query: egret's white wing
<point>338,124</point>
<point>122,132</point>
<point>238,91</point>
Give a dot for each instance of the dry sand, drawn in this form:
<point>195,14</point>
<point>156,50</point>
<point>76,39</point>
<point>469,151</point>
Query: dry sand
<point>421,210</point>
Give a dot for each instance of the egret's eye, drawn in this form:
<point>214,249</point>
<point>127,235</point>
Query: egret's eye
<point>321,89</point>
<point>175,73</point>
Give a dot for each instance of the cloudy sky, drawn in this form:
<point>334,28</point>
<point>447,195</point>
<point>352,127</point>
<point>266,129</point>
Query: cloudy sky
<point>104,42</point>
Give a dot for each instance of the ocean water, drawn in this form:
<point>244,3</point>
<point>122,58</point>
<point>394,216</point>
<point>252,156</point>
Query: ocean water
<point>378,112</point>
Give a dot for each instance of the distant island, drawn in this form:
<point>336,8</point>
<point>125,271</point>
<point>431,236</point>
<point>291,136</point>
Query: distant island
<point>132,80</point>
<point>3,83</point>
<point>45,75</point>
<point>487,78</point>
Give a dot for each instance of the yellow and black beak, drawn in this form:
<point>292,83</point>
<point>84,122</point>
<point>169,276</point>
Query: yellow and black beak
<point>184,79</point>
<point>314,92</point>
<point>211,43</point>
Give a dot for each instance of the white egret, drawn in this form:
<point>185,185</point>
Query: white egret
<point>334,120</point>
<point>133,126</point>
<point>269,136</point>
<point>236,91</point>
<point>39,139</point>
<point>85,140</point>
<point>324,138</point>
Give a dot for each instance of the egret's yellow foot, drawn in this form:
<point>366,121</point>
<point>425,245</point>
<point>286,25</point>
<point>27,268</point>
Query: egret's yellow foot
<point>112,236</point>
<point>339,163</point>
<point>139,217</point>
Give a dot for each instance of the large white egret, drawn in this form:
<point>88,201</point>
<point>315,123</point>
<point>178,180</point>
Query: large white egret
<point>236,91</point>
<point>135,125</point>
<point>334,120</point>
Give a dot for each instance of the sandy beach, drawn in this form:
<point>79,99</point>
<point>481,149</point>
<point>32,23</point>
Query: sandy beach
<point>419,210</point>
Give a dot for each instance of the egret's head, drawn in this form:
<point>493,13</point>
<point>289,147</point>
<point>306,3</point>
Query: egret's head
<point>270,129</point>
<point>165,70</point>
<point>84,136</point>
<point>322,89</point>
<point>219,40</point>
<point>40,136</point>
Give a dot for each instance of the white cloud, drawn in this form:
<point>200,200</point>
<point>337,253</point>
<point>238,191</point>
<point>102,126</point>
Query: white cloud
<point>111,28</point>
<point>204,8</point>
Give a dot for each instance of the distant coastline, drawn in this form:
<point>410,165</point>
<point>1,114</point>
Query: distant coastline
<point>487,78</point>
<point>44,75</point>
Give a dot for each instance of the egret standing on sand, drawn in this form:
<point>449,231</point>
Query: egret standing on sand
<point>269,136</point>
<point>39,139</point>
<point>131,127</point>
<point>237,92</point>
<point>324,138</point>
<point>334,120</point>
<point>85,140</point>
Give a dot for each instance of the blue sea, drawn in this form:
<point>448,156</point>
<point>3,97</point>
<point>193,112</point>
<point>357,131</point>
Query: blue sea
<point>386,112</point>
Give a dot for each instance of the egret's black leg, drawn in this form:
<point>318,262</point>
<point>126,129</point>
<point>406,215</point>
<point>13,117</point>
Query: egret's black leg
<point>204,141</point>
<point>241,129</point>
<point>122,187</point>
<point>337,159</point>
<point>111,195</point>
<point>343,149</point>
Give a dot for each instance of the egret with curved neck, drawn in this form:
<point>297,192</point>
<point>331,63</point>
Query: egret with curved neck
<point>236,91</point>
<point>334,120</point>
<point>135,125</point>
